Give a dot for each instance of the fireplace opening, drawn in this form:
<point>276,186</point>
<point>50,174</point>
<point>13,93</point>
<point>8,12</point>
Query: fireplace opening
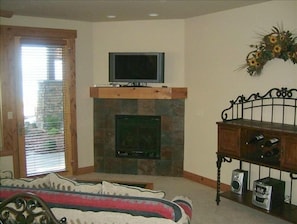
<point>138,136</point>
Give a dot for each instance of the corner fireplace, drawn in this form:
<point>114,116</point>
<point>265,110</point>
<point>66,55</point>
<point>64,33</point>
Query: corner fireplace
<point>171,155</point>
<point>138,136</point>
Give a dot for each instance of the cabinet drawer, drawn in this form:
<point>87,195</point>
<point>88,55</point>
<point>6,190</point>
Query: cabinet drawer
<point>229,140</point>
<point>289,152</point>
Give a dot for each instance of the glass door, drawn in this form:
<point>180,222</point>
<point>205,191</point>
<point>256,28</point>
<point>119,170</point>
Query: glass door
<point>43,107</point>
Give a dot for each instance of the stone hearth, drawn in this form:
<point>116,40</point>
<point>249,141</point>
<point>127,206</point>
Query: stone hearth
<point>172,136</point>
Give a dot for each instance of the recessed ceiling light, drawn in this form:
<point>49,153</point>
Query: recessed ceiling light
<point>111,16</point>
<point>153,14</point>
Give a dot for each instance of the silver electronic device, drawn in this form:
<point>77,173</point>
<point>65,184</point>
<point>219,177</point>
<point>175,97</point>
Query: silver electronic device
<point>268,193</point>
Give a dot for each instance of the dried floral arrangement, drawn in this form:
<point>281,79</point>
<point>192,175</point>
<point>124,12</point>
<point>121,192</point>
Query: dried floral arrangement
<point>277,44</point>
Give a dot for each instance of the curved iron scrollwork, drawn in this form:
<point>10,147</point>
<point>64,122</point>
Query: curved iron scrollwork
<point>280,93</point>
<point>236,106</point>
<point>26,208</point>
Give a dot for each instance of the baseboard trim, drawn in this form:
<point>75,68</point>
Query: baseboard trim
<point>85,170</point>
<point>205,181</point>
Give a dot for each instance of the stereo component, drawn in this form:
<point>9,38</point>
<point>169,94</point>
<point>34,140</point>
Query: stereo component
<point>239,181</point>
<point>268,193</point>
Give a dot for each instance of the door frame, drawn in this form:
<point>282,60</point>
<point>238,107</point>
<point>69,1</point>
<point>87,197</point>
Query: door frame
<point>10,36</point>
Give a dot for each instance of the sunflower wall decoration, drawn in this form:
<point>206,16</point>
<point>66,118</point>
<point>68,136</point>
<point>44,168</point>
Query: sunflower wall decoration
<point>277,44</point>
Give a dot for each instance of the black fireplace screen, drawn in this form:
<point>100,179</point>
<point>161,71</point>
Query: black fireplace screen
<point>138,136</point>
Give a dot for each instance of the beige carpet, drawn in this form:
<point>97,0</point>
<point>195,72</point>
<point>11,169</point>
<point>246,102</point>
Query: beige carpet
<point>205,210</point>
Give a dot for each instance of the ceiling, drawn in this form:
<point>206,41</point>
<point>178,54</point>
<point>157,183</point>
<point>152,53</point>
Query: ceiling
<point>99,10</point>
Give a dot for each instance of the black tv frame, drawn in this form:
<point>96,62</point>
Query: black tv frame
<point>131,79</point>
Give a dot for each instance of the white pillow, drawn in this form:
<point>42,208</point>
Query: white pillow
<point>41,182</point>
<point>58,182</point>
<point>75,216</point>
<point>125,190</point>
<point>6,174</point>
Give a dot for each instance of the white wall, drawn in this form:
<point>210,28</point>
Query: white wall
<point>157,35</point>
<point>216,45</point>
<point>6,163</point>
<point>84,78</point>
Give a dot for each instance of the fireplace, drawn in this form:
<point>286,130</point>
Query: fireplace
<point>168,162</point>
<point>137,136</point>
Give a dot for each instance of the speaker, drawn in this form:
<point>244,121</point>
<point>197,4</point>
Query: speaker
<point>239,181</point>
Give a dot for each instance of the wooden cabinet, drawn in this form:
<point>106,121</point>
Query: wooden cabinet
<point>229,140</point>
<point>289,152</point>
<point>233,136</point>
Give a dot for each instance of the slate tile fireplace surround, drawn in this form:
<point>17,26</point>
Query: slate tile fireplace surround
<point>171,112</point>
<point>167,103</point>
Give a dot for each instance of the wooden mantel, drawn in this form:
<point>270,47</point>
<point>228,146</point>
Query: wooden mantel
<point>138,92</point>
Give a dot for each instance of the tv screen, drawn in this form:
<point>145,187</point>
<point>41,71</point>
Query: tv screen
<point>136,67</point>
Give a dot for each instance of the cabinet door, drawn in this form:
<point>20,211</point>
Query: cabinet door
<point>229,140</point>
<point>289,152</point>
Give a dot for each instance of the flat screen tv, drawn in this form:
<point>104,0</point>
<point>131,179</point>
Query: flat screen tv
<point>136,68</point>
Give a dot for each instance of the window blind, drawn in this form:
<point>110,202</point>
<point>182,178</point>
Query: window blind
<point>43,106</point>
